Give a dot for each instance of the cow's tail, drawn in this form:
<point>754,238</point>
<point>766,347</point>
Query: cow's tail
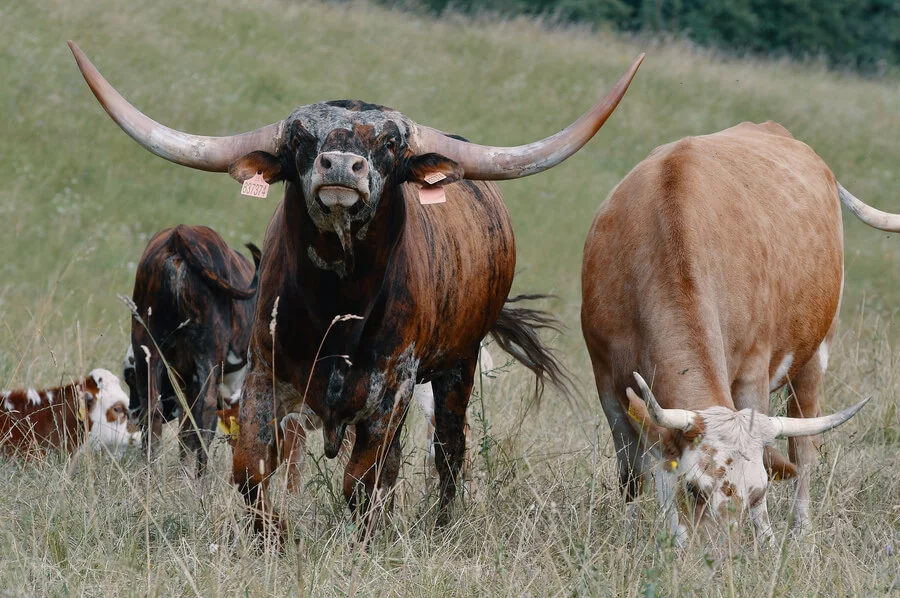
<point>871,216</point>
<point>517,332</point>
<point>212,269</point>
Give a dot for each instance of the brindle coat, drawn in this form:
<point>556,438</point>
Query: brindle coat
<point>197,297</point>
<point>427,283</point>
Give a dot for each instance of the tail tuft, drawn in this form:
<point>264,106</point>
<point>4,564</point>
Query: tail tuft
<point>517,332</point>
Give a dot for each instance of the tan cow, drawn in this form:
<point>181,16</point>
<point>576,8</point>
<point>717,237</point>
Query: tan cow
<point>715,268</point>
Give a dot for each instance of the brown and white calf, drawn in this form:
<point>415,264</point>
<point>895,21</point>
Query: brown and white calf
<point>715,269</point>
<point>34,420</point>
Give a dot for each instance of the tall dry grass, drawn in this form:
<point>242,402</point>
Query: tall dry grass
<point>79,201</point>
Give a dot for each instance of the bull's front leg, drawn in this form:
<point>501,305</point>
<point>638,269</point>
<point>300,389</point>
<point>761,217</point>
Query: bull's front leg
<point>255,455</point>
<point>374,464</point>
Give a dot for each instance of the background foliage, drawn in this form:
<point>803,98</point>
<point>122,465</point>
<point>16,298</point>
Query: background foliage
<point>863,34</point>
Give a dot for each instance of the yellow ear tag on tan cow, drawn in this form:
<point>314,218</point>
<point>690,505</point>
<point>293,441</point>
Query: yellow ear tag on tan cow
<point>432,195</point>
<point>255,186</point>
<point>633,414</point>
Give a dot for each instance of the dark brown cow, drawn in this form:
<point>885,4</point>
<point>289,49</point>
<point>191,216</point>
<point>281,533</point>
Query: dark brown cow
<point>715,269</point>
<point>34,420</point>
<point>196,297</point>
<point>367,290</point>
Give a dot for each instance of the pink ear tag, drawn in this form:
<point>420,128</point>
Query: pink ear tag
<point>255,186</point>
<point>431,195</point>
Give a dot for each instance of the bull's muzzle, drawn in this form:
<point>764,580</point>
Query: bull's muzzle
<point>340,179</point>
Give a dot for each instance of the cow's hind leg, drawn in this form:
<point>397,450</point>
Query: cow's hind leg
<point>804,402</point>
<point>201,392</point>
<point>451,399</point>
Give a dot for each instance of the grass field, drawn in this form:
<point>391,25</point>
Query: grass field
<point>79,200</point>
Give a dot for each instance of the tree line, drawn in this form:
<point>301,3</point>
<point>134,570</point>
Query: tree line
<point>857,34</point>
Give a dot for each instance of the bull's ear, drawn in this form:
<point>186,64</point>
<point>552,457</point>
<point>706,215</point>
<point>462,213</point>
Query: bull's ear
<point>247,166</point>
<point>432,170</point>
<point>642,422</point>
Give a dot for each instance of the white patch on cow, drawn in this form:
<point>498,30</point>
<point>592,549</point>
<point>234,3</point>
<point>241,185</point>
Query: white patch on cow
<point>105,435</point>
<point>129,357</point>
<point>232,359</point>
<point>726,464</point>
<point>778,380</point>
<point>49,395</point>
<point>423,394</point>
<point>7,404</point>
<point>33,397</point>
<point>823,355</point>
<point>230,387</point>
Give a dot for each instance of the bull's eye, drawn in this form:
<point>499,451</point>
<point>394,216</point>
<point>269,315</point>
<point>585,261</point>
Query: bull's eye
<point>390,144</point>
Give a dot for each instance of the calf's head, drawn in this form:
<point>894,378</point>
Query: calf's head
<point>713,458</point>
<point>104,407</point>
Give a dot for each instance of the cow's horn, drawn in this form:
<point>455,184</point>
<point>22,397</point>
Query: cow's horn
<point>786,427</point>
<point>487,163</point>
<point>674,419</point>
<point>203,153</point>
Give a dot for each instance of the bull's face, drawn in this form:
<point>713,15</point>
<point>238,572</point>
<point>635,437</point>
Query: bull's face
<point>712,459</point>
<point>345,159</point>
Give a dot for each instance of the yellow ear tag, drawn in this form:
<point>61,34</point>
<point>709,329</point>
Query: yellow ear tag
<point>233,427</point>
<point>673,464</point>
<point>632,413</point>
<point>222,427</point>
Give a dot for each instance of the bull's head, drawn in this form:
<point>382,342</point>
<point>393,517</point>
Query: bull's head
<point>340,156</point>
<point>713,458</point>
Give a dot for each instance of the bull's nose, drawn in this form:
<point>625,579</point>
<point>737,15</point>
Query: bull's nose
<point>342,165</point>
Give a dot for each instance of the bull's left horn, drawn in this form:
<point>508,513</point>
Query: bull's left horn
<point>203,153</point>
<point>674,419</point>
<point>487,163</point>
<point>786,427</point>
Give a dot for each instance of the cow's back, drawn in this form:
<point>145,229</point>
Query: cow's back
<point>711,248</point>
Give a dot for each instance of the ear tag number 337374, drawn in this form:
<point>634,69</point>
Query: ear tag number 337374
<point>255,186</point>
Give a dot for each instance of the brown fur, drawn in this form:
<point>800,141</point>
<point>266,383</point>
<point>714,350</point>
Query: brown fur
<point>712,260</point>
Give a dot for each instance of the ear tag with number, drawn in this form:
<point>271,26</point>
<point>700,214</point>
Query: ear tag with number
<point>255,186</point>
<point>431,195</point>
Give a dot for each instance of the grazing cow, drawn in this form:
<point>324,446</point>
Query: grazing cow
<point>58,417</point>
<point>195,297</point>
<point>715,268</point>
<point>365,291</point>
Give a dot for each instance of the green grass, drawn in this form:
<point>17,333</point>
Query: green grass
<point>79,200</point>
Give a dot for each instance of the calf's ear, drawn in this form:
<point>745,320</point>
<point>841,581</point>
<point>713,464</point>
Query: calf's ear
<point>432,170</point>
<point>248,166</point>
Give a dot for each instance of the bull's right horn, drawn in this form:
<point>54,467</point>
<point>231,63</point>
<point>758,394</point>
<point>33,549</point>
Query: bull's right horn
<point>213,154</point>
<point>488,163</point>
<point>786,427</point>
<point>674,419</point>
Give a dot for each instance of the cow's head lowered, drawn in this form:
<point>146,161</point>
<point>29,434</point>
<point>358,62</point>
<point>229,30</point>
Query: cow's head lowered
<point>714,456</point>
<point>345,159</point>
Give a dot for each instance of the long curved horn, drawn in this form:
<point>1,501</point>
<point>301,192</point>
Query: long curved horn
<point>213,154</point>
<point>786,427</point>
<point>487,163</point>
<point>871,216</point>
<point>674,419</point>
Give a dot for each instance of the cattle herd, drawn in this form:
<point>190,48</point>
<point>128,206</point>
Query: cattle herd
<point>714,270</point>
